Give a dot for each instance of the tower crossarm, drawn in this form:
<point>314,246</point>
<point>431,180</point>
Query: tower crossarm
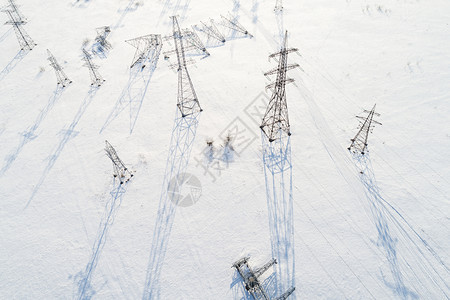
<point>212,31</point>
<point>259,271</point>
<point>145,46</point>
<point>373,121</point>
<point>192,38</point>
<point>240,262</point>
<point>283,52</point>
<point>275,70</point>
<point>234,25</point>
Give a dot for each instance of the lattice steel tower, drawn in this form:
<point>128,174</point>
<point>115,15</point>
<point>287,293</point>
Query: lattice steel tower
<point>96,78</point>
<point>61,77</point>
<point>120,170</point>
<point>102,34</point>
<point>359,142</point>
<point>25,41</point>
<point>276,117</point>
<point>187,98</point>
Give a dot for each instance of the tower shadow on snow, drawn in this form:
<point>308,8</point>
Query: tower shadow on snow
<point>83,279</point>
<point>135,90</point>
<point>13,63</point>
<point>278,178</point>
<point>66,135</point>
<point>30,133</point>
<point>183,136</point>
<point>406,251</point>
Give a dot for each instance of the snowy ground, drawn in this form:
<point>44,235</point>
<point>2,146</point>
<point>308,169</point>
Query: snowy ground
<point>55,183</point>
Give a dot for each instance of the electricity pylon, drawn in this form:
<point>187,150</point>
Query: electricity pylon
<point>25,41</point>
<point>187,98</point>
<point>276,117</point>
<point>276,137</point>
<point>251,276</point>
<point>120,170</point>
<point>96,78</point>
<point>102,34</point>
<point>359,142</point>
<point>145,47</point>
<point>61,77</point>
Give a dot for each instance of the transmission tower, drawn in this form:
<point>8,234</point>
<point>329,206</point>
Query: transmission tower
<point>235,25</point>
<point>278,5</point>
<point>13,8</point>
<point>187,98</point>
<point>96,78</point>
<point>212,31</point>
<point>145,47</point>
<point>251,278</point>
<point>102,34</point>
<point>120,171</point>
<point>359,142</point>
<point>276,117</point>
<point>61,77</point>
<point>25,41</point>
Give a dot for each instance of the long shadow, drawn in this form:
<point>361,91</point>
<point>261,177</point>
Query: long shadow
<point>30,133</point>
<point>278,177</point>
<point>175,10</point>
<point>83,279</point>
<point>6,34</point>
<point>134,92</point>
<point>183,8</point>
<point>124,13</point>
<point>405,249</point>
<point>280,26</point>
<point>183,136</point>
<point>66,135</point>
<point>13,63</point>
<point>81,3</point>
<point>164,10</point>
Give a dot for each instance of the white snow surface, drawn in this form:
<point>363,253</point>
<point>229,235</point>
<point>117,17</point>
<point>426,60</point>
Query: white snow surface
<point>353,54</point>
